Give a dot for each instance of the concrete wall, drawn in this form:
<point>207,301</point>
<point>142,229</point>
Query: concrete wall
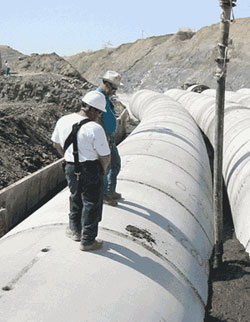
<point>17,200</point>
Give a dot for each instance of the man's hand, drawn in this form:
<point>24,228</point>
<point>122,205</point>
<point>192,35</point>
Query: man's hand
<point>59,149</point>
<point>105,161</point>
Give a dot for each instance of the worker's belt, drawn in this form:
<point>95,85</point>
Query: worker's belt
<point>67,162</point>
<point>90,166</point>
<point>84,162</point>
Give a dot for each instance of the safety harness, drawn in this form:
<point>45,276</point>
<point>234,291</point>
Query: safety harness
<point>72,138</point>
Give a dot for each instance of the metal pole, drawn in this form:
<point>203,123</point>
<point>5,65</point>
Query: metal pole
<point>222,60</point>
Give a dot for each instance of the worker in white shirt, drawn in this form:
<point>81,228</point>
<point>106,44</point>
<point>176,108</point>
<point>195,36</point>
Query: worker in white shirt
<point>85,174</point>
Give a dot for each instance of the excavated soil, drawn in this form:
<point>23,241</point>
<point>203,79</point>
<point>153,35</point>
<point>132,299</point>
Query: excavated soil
<point>29,108</point>
<point>229,293</point>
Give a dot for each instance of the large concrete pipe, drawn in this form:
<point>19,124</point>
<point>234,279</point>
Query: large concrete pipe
<point>244,91</point>
<point>158,241</point>
<point>236,166</point>
<point>240,97</point>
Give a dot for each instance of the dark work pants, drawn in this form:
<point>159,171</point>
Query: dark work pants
<point>110,179</point>
<point>86,199</point>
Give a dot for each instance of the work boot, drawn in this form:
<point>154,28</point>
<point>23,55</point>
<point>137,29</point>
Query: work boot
<point>97,244</point>
<point>76,236</point>
<point>108,200</point>
<point>116,196</point>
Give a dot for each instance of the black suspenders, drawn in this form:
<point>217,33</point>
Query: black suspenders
<point>72,138</point>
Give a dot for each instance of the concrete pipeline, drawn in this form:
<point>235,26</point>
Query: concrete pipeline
<point>241,97</point>
<point>236,154</point>
<point>154,264</point>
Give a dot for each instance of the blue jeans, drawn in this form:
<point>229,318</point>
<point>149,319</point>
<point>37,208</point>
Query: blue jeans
<point>110,179</point>
<point>86,199</point>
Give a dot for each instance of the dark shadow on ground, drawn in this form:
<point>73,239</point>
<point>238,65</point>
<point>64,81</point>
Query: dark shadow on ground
<point>228,270</point>
<point>211,319</point>
<point>231,270</point>
<point>227,215</point>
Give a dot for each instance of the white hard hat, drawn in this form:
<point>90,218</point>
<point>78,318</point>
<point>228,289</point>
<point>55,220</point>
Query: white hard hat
<point>113,78</point>
<point>95,99</point>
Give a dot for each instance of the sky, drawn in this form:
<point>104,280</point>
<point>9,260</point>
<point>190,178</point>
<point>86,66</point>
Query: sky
<point>68,27</point>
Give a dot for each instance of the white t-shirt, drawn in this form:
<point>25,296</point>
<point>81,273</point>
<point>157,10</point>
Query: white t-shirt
<point>91,138</point>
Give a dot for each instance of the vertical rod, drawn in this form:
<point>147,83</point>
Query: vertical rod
<point>222,60</point>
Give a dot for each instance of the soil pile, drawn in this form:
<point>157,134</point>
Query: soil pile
<point>47,63</point>
<point>41,89</point>
<point>31,101</point>
<point>10,54</point>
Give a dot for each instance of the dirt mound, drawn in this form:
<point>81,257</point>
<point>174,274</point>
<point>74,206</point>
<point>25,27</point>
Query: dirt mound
<point>31,102</point>
<point>169,61</point>
<point>25,144</point>
<point>10,54</point>
<point>47,63</point>
<point>43,87</point>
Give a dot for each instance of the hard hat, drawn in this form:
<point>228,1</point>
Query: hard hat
<point>95,99</point>
<point>113,78</point>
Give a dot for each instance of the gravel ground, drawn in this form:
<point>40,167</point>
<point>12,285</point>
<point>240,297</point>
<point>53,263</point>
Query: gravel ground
<point>229,295</point>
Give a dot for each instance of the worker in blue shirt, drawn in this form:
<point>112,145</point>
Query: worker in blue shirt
<point>7,68</point>
<point>110,82</point>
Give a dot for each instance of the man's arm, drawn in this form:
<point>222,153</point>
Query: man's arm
<point>99,121</point>
<point>59,149</point>
<point>105,161</point>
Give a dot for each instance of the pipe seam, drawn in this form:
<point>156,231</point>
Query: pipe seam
<point>160,158</point>
<point>167,142</point>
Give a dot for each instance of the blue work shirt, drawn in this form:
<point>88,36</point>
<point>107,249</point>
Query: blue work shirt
<point>108,119</point>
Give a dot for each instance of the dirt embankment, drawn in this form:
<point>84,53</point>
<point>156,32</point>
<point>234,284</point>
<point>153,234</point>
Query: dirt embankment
<point>31,101</point>
<point>40,89</point>
<point>169,61</point>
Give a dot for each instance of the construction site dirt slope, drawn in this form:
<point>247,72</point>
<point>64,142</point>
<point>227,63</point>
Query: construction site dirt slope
<point>31,100</point>
<point>169,61</point>
<point>41,88</point>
